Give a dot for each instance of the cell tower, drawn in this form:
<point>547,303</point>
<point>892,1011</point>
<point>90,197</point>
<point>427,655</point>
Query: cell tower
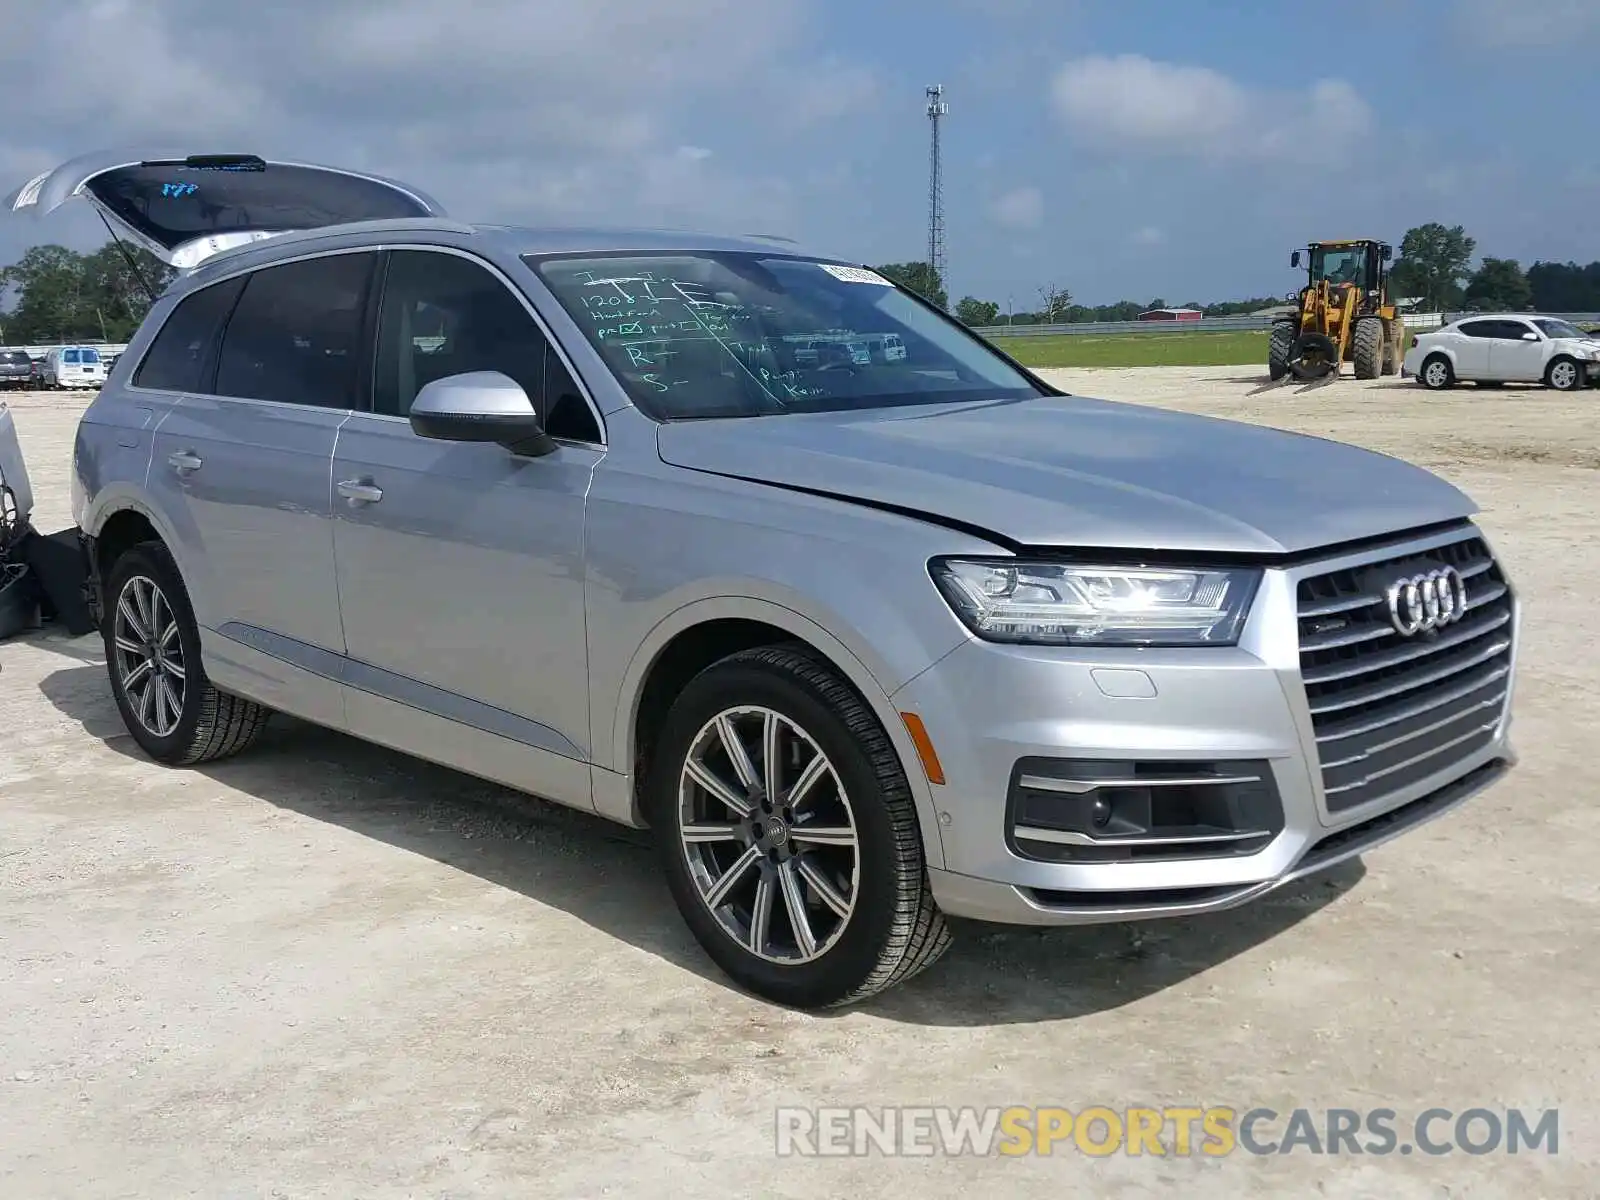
<point>937,109</point>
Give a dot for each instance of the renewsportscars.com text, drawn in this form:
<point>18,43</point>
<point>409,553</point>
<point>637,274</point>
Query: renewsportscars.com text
<point>1174,1131</point>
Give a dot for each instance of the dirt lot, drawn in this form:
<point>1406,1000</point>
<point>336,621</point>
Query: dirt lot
<point>325,970</point>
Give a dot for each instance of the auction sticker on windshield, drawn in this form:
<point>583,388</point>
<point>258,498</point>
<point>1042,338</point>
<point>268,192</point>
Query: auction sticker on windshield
<point>855,274</point>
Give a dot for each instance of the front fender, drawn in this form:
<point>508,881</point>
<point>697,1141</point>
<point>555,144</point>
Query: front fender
<point>854,662</point>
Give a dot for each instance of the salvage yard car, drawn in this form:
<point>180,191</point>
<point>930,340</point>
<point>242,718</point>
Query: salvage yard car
<point>1495,348</point>
<point>16,369</point>
<point>865,645</point>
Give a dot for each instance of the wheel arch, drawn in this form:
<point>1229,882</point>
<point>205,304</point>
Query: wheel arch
<point>699,633</point>
<point>121,511</point>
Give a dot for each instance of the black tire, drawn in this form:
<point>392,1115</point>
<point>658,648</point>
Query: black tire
<point>893,929</point>
<point>1436,374</point>
<point>1564,374</point>
<point>1366,348</point>
<point>1278,343</point>
<point>1394,352</point>
<point>1314,356</point>
<point>210,724</point>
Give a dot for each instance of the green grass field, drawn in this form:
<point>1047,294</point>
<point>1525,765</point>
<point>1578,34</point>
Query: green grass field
<point>1244,348</point>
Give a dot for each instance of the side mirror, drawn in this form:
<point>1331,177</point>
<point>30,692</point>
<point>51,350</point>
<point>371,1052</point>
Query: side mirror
<point>480,406</point>
<point>1294,259</point>
<point>1386,253</point>
<point>1530,336</point>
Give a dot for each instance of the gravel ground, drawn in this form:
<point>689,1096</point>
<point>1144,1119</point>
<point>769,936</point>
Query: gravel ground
<point>327,970</point>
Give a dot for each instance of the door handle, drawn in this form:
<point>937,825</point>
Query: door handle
<point>185,462</point>
<point>359,491</point>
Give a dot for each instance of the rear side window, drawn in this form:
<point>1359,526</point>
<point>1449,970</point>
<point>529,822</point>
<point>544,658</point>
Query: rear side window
<point>1478,329</point>
<point>295,334</point>
<point>178,357</point>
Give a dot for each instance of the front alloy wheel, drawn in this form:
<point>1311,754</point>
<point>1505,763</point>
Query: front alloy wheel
<point>788,831</point>
<point>148,656</point>
<point>1565,375</point>
<point>768,835</point>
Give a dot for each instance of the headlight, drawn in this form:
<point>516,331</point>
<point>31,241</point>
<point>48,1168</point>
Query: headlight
<point>1044,603</point>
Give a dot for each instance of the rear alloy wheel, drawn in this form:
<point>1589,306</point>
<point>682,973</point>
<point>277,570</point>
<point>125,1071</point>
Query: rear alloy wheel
<point>1564,374</point>
<point>789,834</point>
<point>1436,373</point>
<point>157,679</point>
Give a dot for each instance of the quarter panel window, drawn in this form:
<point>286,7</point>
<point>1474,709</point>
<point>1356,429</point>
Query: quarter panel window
<point>295,334</point>
<point>445,315</point>
<point>177,359</point>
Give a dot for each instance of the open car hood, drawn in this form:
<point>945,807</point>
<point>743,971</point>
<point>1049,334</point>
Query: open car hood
<point>185,208</point>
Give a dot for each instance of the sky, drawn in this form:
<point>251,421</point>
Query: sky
<point>1122,149</point>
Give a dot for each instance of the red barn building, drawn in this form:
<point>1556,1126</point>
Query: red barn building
<point>1171,314</point>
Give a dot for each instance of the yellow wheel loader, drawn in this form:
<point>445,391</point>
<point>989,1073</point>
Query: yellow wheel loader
<point>1343,314</point>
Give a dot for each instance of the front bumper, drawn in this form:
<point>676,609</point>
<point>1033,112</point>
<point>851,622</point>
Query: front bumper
<point>1000,716</point>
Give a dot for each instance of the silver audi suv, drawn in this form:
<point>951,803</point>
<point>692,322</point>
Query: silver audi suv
<point>655,525</point>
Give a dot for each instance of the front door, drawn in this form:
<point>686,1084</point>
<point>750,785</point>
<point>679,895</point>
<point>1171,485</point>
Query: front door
<point>1512,356</point>
<point>460,566</point>
<point>246,458</point>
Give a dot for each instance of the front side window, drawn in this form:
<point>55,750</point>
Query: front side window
<point>698,334</point>
<point>295,334</point>
<point>444,315</point>
<point>179,355</point>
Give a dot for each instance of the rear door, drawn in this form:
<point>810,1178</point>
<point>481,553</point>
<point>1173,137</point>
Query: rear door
<point>185,208</point>
<point>241,467</point>
<point>1472,348</point>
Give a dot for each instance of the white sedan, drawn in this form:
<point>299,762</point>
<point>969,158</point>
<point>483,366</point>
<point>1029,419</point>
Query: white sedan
<point>1490,348</point>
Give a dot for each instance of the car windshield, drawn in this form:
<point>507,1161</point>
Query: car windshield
<point>694,334</point>
<point>1559,329</point>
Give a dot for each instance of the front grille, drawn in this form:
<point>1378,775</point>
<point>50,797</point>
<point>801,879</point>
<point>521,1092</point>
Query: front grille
<point>1390,710</point>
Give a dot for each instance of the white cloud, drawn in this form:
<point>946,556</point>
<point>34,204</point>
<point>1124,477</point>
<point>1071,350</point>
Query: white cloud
<point>1135,105</point>
<point>1020,208</point>
<point>1527,23</point>
<point>530,110</point>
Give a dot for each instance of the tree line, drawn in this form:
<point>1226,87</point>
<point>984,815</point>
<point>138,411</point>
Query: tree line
<point>1434,268</point>
<point>52,294</point>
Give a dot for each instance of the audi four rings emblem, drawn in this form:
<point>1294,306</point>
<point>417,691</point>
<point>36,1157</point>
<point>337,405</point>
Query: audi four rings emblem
<point>1427,602</point>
